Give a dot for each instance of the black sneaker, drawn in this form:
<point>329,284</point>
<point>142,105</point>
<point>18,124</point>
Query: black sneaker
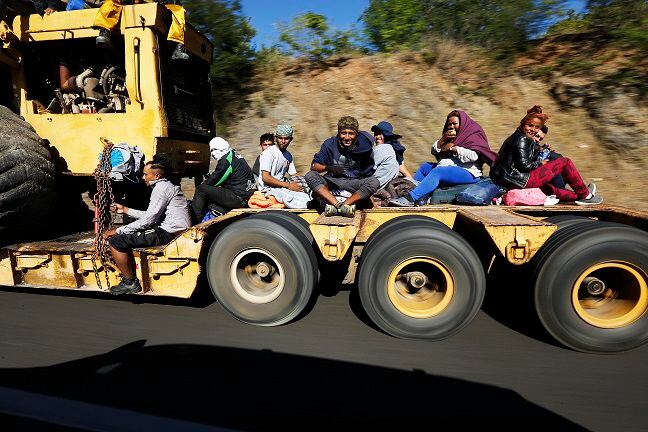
<point>126,287</point>
<point>180,53</point>
<point>595,199</point>
<point>103,40</point>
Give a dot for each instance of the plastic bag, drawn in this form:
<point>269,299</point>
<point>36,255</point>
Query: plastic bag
<point>528,197</point>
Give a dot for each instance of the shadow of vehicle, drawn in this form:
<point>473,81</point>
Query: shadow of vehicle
<point>259,390</point>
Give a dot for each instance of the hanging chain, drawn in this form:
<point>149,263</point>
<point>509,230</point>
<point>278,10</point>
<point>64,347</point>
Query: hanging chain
<point>103,199</point>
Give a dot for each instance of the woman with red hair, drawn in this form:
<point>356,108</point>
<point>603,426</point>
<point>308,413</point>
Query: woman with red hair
<point>517,165</point>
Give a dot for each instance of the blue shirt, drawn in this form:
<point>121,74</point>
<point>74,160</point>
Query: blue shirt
<point>357,161</point>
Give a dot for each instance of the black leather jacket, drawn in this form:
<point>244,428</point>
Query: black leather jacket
<point>517,158</point>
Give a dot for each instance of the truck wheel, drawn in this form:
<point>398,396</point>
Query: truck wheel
<point>399,222</point>
<point>421,281</point>
<point>27,193</point>
<point>289,220</point>
<point>261,272</point>
<point>591,287</point>
<point>563,221</point>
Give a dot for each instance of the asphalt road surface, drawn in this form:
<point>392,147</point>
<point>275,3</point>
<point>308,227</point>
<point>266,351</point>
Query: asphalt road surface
<point>101,363</point>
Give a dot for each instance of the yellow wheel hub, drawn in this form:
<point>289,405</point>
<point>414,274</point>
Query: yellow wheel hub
<point>420,287</point>
<point>611,294</point>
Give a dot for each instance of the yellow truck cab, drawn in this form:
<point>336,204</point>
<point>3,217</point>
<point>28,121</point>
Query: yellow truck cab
<point>162,106</point>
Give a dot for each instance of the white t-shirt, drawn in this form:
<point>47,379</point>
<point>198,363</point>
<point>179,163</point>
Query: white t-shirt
<point>277,163</point>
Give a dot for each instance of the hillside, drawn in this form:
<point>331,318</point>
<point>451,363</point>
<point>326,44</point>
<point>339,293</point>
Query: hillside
<point>416,91</point>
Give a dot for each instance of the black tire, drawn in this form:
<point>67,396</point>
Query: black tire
<point>616,254</point>
<point>423,242</point>
<point>288,254</point>
<point>563,221</point>
<point>27,185</point>
<point>398,223</point>
<point>290,221</point>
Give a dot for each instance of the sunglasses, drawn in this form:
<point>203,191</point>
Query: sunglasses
<point>539,137</point>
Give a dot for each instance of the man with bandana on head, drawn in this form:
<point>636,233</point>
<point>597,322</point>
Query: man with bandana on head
<point>347,161</point>
<point>276,166</point>
<point>228,187</point>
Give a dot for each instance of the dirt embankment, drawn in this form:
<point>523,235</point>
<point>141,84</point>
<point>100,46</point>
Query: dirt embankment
<point>416,91</point>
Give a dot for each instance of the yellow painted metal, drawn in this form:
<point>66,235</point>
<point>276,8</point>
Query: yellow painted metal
<point>75,137</point>
<point>334,240</point>
<point>425,302</point>
<point>78,24</point>
<point>624,300</point>
<point>6,269</point>
<point>25,262</point>
<point>517,237</point>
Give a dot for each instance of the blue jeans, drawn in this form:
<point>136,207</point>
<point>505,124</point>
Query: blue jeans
<point>430,175</point>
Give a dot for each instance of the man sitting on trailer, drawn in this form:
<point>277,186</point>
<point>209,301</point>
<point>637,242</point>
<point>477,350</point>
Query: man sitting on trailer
<point>276,166</point>
<point>166,216</point>
<point>349,165</point>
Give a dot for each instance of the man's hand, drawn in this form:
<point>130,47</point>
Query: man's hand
<point>335,170</point>
<point>120,209</point>
<point>49,11</point>
<point>294,186</point>
<point>107,234</point>
<point>545,161</point>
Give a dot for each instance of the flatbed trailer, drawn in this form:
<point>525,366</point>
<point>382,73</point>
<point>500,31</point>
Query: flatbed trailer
<point>420,272</point>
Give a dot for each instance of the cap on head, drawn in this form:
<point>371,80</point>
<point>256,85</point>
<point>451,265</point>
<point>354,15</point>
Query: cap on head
<point>284,130</point>
<point>385,128</point>
<point>219,147</point>
<point>348,122</point>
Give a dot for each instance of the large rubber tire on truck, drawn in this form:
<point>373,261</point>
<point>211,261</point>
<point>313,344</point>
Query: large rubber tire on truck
<point>420,280</point>
<point>262,272</point>
<point>594,318</point>
<point>27,189</point>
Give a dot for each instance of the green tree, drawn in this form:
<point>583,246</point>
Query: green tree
<point>391,25</point>
<point>310,35</point>
<point>223,23</point>
<point>623,21</point>
<point>501,25</point>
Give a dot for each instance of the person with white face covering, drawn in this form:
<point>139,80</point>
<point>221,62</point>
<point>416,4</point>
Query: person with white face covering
<point>229,186</point>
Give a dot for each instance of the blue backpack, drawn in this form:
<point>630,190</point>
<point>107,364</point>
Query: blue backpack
<point>480,193</point>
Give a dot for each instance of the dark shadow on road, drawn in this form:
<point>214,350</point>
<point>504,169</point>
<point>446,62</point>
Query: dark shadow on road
<point>509,300</point>
<point>264,390</point>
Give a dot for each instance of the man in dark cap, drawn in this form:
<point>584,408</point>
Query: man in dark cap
<point>384,134</point>
<point>347,161</point>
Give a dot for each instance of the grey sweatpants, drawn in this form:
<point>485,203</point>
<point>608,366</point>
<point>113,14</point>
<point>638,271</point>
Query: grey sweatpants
<point>365,187</point>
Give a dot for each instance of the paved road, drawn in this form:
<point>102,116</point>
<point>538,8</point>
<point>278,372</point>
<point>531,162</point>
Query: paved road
<point>106,361</point>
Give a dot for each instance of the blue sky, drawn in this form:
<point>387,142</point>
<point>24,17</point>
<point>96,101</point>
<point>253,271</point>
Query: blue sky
<point>341,14</point>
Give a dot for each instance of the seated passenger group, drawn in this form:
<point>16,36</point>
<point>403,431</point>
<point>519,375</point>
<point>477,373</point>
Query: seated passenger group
<point>344,174</point>
<point>351,166</point>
